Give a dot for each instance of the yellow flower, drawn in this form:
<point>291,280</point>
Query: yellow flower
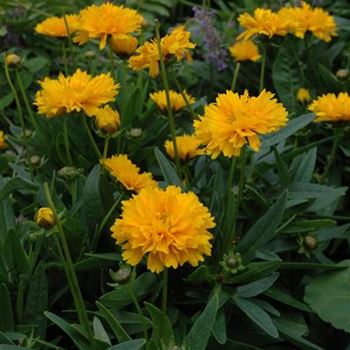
<point>98,22</point>
<point>245,51</point>
<point>107,120</point>
<point>45,218</point>
<point>305,18</point>
<point>176,43</point>
<point>177,101</point>
<point>12,59</point>
<point>128,173</point>
<point>303,95</point>
<point>79,92</point>
<point>331,108</point>
<point>124,45</point>
<point>56,26</point>
<point>187,147</point>
<point>234,120</point>
<point>263,22</point>
<point>167,227</point>
<point>3,143</point>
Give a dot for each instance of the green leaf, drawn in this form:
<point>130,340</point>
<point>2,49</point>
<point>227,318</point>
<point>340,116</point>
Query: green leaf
<point>99,331</point>
<point>121,297</point>
<point>78,339</point>
<point>258,316</point>
<point>114,323</point>
<point>306,166</point>
<point>199,334</point>
<point>219,328</point>
<point>287,75</point>
<point>200,275</point>
<point>256,271</point>
<point>162,333</point>
<point>37,300</point>
<point>285,298</point>
<point>12,347</point>
<point>167,169</point>
<point>6,315</point>
<point>135,344</point>
<point>255,288</point>
<point>36,64</point>
<point>290,129</point>
<point>329,296</point>
<point>264,229</point>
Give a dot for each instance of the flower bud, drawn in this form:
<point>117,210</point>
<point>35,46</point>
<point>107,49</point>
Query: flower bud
<point>90,53</point>
<point>135,133</point>
<point>107,120</point>
<point>121,276</point>
<point>45,218</point>
<point>35,160</point>
<point>310,242</point>
<point>232,263</point>
<point>69,172</point>
<point>12,59</point>
<point>342,73</point>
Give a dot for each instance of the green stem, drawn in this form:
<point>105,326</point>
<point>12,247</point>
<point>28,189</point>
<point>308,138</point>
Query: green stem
<point>170,112</point>
<point>232,234</point>
<point>25,99</point>
<point>334,150</point>
<point>69,267</point>
<point>91,138</point>
<point>165,291</point>
<point>15,95</point>
<point>111,59</point>
<point>105,148</point>
<point>189,106</point>
<point>138,308</point>
<point>70,44</point>
<point>262,72</point>
<point>235,76</point>
<point>65,62</point>
<point>66,141</point>
<point>110,211</point>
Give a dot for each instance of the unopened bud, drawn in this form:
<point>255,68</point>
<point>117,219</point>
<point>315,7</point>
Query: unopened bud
<point>69,172</point>
<point>310,242</point>
<point>135,132</point>
<point>45,218</point>
<point>35,160</point>
<point>342,73</point>
<point>12,59</point>
<point>121,276</point>
<point>90,53</point>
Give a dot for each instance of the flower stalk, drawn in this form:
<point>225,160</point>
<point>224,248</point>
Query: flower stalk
<point>263,67</point>
<point>235,76</point>
<point>170,112</point>
<point>66,258</point>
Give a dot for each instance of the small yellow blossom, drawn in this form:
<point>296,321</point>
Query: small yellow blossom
<point>262,22</point>
<point>331,108</point>
<point>177,43</point>
<point>245,51</point>
<point>124,45</point>
<point>99,22</point>
<point>45,218</point>
<point>188,147</point>
<point>167,227</point>
<point>303,95</point>
<point>107,120</point>
<point>3,143</point>
<point>56,26</point>
<point>12,59</point>
<point>79,92</point>
<point>235,120</point>
<point>177,101</point>
<point>120,167</point>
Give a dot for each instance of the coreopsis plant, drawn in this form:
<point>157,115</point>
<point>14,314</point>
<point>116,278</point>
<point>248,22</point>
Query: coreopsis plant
<point>224,225</point>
